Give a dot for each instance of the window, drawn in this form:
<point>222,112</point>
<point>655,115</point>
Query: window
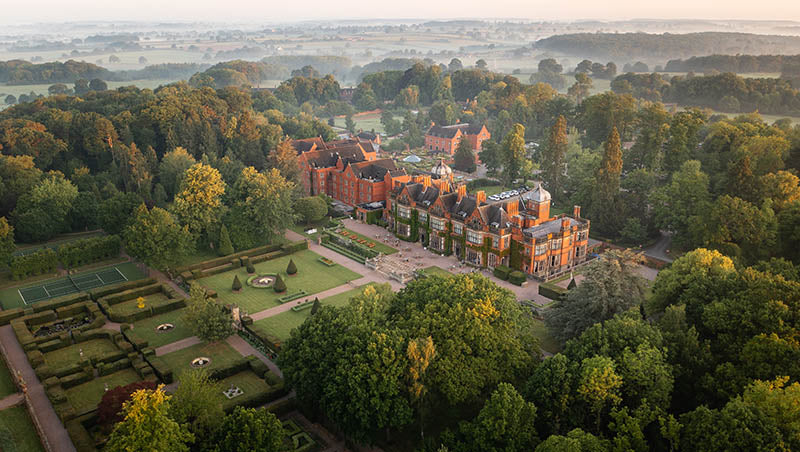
<point>495,243</point>
<point>403,229</point>
<point>458,228</point>
<point>423,217</point>
<point>492,260</point>
<point>474,237</point>
<point>541,249</point>
<point>404,212</point>
<point>437,224</point>
<point>580,236</point>
<point>555,244</point>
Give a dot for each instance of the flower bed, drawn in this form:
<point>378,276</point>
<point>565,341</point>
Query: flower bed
<point>327,261</point>
<point>293,296</point>
<point>262,281</point>
<point>303,305</point>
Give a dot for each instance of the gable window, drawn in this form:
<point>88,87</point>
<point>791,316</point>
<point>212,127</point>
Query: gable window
<point>474,237</point>
<point>404,212</point>
<point>541,249</point>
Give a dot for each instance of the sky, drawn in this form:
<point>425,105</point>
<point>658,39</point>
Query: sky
<point>288,11</point>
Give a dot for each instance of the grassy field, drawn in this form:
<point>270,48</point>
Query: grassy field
<point>146,328</point>
<point>7,386</point>
<point>366,123</point>
<point>546,341</point>
<point>312,276</point>
<point>68,355</point>
<point>379,246</point>
<point>435,271</point>
<point>247,381</point>
<point>220,353</point>
<point>16,90</point>
<point>17,432</point>
<point>86,396</point>
<point>10,297</point>
<point>281,325</point>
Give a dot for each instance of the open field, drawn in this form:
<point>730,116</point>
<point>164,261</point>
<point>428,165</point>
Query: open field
<point>366,123</point>
<point>86,396</point>
<point>312,276</point>
<point>146,328</point>
<point>281,325</point>
<point>220,353</point>
<point>16,90</point>
<point>7,386</point>
<point>71,354</point>
<point>10,297</point>
<point>17,432</point>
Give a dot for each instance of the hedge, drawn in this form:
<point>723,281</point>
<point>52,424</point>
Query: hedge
<point>227,259</point>
<point>162,370</point>
<point>8,315</point>
<point>517,277</point>
<point>304,305</point>
<point>552,291</point>
<point>59,302</point>
<point>293,296</point>
<point>101,292</point>
<point>80,437</point>
<point>40,261</point>
<point>85,251</point>
<point>502,272</point>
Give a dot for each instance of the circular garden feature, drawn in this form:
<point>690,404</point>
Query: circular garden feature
<point>262,281</point>
<point>164,327</point>
<point>201,362</point>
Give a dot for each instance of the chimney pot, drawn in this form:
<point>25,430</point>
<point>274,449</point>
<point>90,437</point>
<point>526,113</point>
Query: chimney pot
<point>576,212</point>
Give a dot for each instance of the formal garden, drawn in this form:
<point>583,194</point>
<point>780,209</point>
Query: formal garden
<point>161,329</point>
<point>17,432</point>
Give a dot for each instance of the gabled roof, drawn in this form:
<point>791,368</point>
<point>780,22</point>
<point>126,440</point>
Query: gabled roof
<point>308,144</point>
<point>367,136</point>
<point>327,158</point>
<point>376,169</point>
<point>451,131</point>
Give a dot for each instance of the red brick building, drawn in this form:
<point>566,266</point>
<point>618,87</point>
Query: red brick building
<point>447,138</point>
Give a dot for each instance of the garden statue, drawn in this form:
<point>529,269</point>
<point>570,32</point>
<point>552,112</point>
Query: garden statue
<point>140,302</point>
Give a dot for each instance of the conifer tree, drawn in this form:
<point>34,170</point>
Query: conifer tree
<point>237,285</point>
<point>315,306</point>
<point>513,149</point>
<point>554,158</point>
<point>291,269</point>
<point>280,285</point>
<point>225,245</point>
<point>605,201</point>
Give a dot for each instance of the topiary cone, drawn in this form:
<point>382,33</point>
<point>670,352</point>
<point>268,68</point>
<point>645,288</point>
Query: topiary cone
<point>279,285</point>
<point>315,306</point>
<point>237,285</point>
<point>291,269</point>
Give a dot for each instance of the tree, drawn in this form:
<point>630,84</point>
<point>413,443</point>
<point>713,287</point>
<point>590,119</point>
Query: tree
<point>280,285</point>
<point>611,286</point>
<point>52,199</point>
<point>291,269</point>
<point>196,403</point>
<point>349,124</point>
<point>208,319</point>
<point>599,386</point>
<point>581,88</point>
<point>147,426</point>
<point>249,429</point>
<point>109,410</point>
<point>505,423</point>
<point>154,237</point>
<point>315,307</point>
<point>237,285</point>
<point>605,203</point>
<point>250,267</point>
<point>491,156</point>
<point>455,65</point>
<point>576,441</point>
<point>686,196</point>
<point>97,85</point>
<point>261,207</point>
<point>10,99</point>
<point>554,158</point>
<point>481,64</point>
<point>172,168</point>
<point>513,149</point>
<point>420,353</point>
<point>198,203</point>
<point>364,97</point>
<point>464,157</point>
<point>117,212</point>
<point>284,159</point>
<point>7,246</point>
<point>225,245</point>
<point>311,209</point>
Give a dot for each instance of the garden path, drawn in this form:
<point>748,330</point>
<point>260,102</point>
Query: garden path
<point>245,349</point>
<point>54,431</point>
<point>9,401</point>
<point>178,345</point>
<point>322,295</point>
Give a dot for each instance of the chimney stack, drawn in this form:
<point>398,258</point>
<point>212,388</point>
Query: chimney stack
<point>565,223</point>
<point>576,212</point>
<point>426,181</point>
<point>462,191</point>
<point>512,208</point>
<point>417,179</point>
<point>480,197</point>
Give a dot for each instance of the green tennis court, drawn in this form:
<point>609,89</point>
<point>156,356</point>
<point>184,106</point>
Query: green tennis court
<point>69,285</point>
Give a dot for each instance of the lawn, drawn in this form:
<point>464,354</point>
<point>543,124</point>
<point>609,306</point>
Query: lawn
<point>131,306</point>
<point>146,328</point>
<point>281,325</point>
<point>546,341</point>
<point>379,246</point>
<point>435,271</point>
<point>312,276</point>
<point>220,353</point>
<point>247,381</point>
<point>366,123</point>
<point>17,432</point>
<point>63,357</point>
<point>86,396</point>
<point>7,386</point>
<point>10,297</point>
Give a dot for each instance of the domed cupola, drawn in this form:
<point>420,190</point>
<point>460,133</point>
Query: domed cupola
<point>441,170</point>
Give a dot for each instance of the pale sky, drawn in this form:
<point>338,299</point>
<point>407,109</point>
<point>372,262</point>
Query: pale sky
<point>15,11</point>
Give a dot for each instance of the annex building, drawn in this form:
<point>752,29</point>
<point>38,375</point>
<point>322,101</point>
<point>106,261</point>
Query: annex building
<point>514,229</point>
<point>446,138</point>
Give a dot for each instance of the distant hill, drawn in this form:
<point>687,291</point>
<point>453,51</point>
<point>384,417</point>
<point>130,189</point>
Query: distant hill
<point>644,46</point>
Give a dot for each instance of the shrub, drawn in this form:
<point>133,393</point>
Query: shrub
<point>291,269</point>
<point>572,284</point>
<point>516,277</point>
<point>110,406</point>
<point>551,291</point>
<point>85,251</point>
<point>36,263</point>
<point>502,272</point>
<point>315,307</point>
<point>237,285</point>
<point>225,245</point>
<point>280,285</point>
<point>250,267</point>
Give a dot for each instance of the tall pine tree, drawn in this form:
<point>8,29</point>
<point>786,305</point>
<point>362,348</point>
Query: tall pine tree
<point>554,158</point>
<point>605,201</point>
<point>513,149</point>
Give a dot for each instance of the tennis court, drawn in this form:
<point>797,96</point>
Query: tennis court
<point>70,284</point>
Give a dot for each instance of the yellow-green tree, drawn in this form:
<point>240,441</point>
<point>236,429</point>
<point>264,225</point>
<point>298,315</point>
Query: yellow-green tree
<point>599,385</point>
<point>6,240</point>
<point>261,208</point>
<point>513,149</point>
<point>198,203</point>
<point>420,353</point>
<point>147,426</point>
<point>156,238</point>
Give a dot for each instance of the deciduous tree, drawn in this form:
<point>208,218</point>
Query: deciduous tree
<point>147,426</point>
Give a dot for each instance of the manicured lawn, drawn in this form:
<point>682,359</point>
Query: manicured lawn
<point>146,328</point>
<point>198,255</point>
<point>247,381</point>
<point>7,386</point>
<point>435,271</point>
<point>379,246</point>
<point>312,276</point>
<point>17,432</point>
<point>86,396</point>
<point>10,297</point>
<point>66,356</point>
<point>131,306</point>
<point>281,325</point>
<point>220,353</point>
<point>546,341</point>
